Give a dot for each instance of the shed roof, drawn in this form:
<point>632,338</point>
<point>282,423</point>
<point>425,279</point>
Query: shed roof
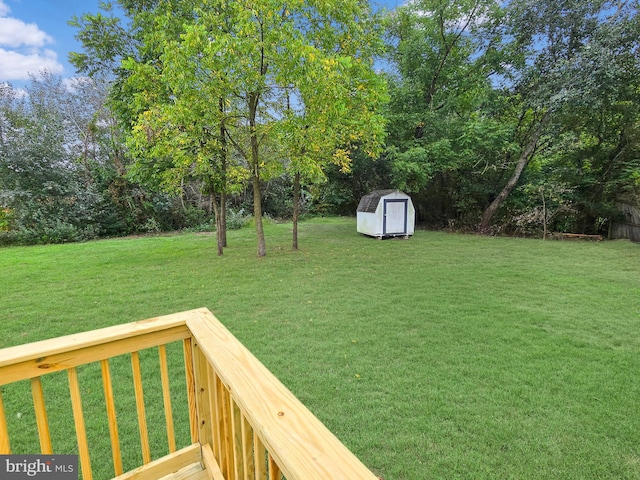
<point>369,202</point>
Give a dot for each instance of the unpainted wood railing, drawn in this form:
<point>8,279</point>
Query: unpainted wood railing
<point>244,424</point>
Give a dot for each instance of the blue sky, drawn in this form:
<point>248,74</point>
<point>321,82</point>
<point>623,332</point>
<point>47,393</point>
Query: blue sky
<point>34,35</point>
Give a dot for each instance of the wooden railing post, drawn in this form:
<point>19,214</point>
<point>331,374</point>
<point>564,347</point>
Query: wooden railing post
<point>187,346</point>
<point>236,436</point>
<point>225,433</point>
<point>203,397</point>
<point>142,418</point>
<point>78,418</point>
<point>166,398</point>
<point>259,458</point>
<point>247,448</point>
<point>221,422</point>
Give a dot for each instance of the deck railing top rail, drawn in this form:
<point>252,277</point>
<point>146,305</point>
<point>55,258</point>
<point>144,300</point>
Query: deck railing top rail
<point>47,356</point>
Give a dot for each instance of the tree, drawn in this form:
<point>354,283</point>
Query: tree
<point>179,136</point>
<point>109,44</point>
<point>336,112</point>
<point>441,123</point>
<point>277,69</point>
<point>553,69</point>
<point>50,160</point>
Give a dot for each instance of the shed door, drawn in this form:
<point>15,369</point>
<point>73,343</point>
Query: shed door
<point>395,217</point>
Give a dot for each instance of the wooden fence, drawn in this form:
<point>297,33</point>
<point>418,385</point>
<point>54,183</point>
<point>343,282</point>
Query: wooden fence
<point>630,226</point>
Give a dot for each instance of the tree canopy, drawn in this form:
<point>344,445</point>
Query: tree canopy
<point>514,117</point>
<point>234,91</point>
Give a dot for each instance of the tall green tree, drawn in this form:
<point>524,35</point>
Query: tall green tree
<point>110,43</point>
<point>275,68</point>
<point>441,124</point>
<point>335,111</point>
<point>555,75</point>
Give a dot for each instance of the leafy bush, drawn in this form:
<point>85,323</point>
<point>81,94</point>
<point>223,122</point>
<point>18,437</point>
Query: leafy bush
<point>6,217</point>
<point>236,219</point>
<point>151,226</point>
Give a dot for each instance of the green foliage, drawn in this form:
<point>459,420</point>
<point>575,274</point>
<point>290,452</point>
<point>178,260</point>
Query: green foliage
<point>479,91</point>
<point>62,170</point>
<point>237,219</point>
<point>45,192</point>
<point>533,105</point>
<point>277,197</point>
<point>575,67</point>
<point>6,219</point>
<point>341,193</point>
<point>442,122</point>
<point>294,86</point>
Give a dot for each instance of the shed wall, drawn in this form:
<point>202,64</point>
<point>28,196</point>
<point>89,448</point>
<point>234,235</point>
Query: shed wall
<point>369,224</point>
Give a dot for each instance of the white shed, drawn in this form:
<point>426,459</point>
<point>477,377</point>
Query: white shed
<point>386,213</point>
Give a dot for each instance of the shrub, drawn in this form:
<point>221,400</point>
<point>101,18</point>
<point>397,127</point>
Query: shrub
<point>236,219</point>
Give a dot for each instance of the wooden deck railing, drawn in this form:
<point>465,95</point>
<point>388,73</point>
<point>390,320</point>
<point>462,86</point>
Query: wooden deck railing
<point>243,423</point>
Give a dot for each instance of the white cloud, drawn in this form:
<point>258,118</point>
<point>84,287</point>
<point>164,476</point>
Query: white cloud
<point>18,65</point>
<point>22,49</point>
<point>16,33</point>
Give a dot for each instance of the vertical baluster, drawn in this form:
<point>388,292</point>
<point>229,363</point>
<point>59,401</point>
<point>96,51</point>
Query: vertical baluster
<point>274,469</point>
<point>220,428</point>
<point>260,457</point>
<point>227,439</point>
<point>142,419</point>
<point>236,432</point>
<point>78,418</point>
<point>247,449</point>
<point>187,347</point>
<point>166,394</point>
<point>215,412</point>
<point>111,417</point>
<point>41,416</point>
<point>5,448</point>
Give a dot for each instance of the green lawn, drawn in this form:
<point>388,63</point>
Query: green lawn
<point>444,356</point>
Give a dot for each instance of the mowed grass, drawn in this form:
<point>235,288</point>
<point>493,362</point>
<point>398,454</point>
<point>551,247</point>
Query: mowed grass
<point>442,357</point>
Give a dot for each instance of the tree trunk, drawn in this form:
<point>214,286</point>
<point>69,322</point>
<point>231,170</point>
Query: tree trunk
<point>257,215</point>
<point>223,218</point>
<point>523,161</point>
<point>296,208</point>
<point>217,214</point>
<point>223,194</point>
<point>255,177</point>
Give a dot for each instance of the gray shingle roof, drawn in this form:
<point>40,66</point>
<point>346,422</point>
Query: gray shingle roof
<point>369,202</point>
